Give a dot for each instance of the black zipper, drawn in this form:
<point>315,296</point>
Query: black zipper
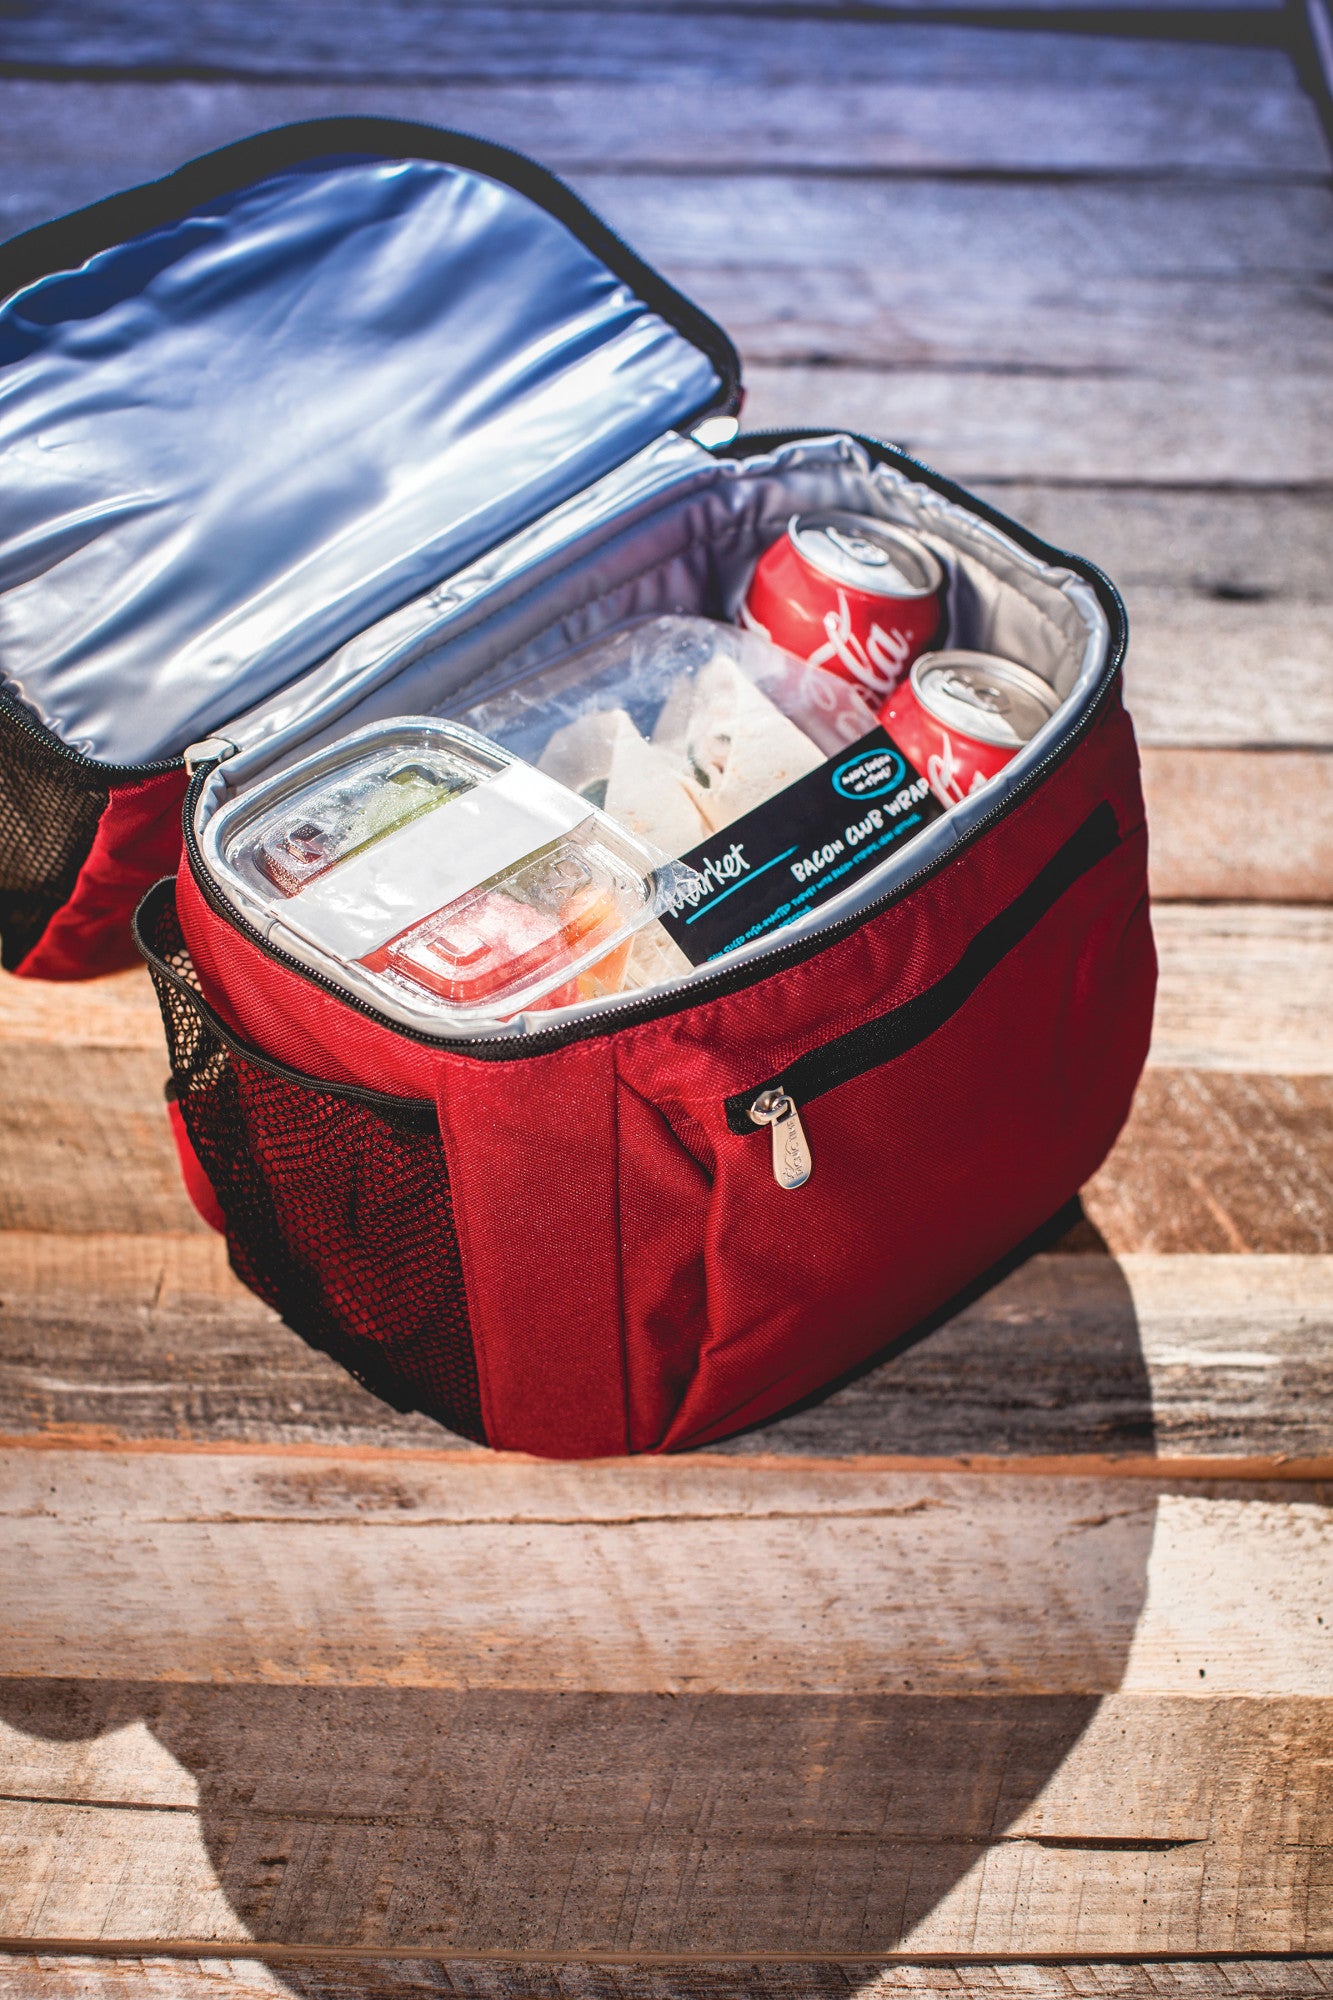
<point>16,716</point>
<point>713,986</point>
<point>893,1034</point>
<point>416,1114</point>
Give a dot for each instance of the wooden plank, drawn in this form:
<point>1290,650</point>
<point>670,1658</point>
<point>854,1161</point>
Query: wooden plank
<point>1208,1161</point>
<point>1179,1356</point>
<point>1244,986</point>
<point>119,1012</point>
<point>1237,428</point>
<point>46,1975</point>
<point>1217,1162</point>
<point>152,1336</point>
<point>1241,986</point>
<point>1230,825</point>
<point>1218,675</point>
<point>433,1822</point>
<point>641,1576</point>
<point>342,40</point>
<point>1229,547</point>
<point>1007,273</point>
<point>62,144</point>
<point>1192,1358</point>
<point>85,1144</point>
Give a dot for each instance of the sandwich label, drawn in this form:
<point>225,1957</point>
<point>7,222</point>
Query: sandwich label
<point>800,847</point>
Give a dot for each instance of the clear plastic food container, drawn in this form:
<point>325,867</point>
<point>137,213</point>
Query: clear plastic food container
<point>428,869</point>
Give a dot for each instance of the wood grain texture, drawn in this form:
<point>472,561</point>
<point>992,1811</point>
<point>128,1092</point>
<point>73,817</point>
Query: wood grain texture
<point>1229,676</point>
<point>1238,825</point>
<point>981,424</point>
<point>62,144</point>
<point>700,1824</point>
<point>119,1012</point>
<point>46,1975</point>
<point>84,1141</point>
<point>411,41</point>
<point>1241,986</point>
<point>1231,548</point>
<point>1244,986</point>
<point>140,1337</point>
<point>1216,1162</point>
<point>649,1575</point>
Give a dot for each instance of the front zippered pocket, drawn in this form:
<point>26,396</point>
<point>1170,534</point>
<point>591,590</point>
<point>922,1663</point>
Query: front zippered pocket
<point>775,1102</point>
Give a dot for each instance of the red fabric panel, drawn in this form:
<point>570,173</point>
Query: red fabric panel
<point>531,1149</point>
<point>138,841</point>
<point>197,1184</point>
<point>289,1017</point>
<point>532,1163</point>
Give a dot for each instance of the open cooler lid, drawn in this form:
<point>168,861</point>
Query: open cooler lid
<point>249,408</point>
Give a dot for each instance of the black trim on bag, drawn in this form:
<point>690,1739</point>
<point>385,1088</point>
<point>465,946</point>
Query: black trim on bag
<point>893,1034</point>
<point>407,1114</point>
<point>70,240</point>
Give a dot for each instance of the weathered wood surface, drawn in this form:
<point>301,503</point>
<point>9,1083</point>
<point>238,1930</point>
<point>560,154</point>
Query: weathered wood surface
<point>1208,1161</point>
<point>1218,1162</point>
<point>675,1574</point>
<point>957,1661</point>
<point>84,1141</point>
<point>692,1824</point>
<point>1082,1357</point>
<point>1236,824</point>
<point>1242,986</point>
<point>414,43</point>
<point>47,1975</point>
<point>62,140</point>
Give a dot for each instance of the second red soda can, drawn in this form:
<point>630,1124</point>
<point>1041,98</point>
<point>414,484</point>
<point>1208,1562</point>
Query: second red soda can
<point>850,594</point>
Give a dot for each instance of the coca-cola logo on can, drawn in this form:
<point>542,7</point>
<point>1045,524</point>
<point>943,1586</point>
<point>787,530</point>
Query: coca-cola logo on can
<point>856,596</point>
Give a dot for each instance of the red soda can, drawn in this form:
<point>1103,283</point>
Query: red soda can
<point>959,717</point>
<point>849,594</point>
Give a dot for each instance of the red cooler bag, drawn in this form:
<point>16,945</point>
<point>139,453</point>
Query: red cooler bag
<point>359,420</point>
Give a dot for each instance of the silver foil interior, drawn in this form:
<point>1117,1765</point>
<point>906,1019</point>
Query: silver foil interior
<point>232,443</point>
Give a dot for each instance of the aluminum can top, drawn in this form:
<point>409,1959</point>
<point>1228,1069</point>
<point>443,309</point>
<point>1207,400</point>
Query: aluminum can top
<point>983,696</point>
<point>865,554</point>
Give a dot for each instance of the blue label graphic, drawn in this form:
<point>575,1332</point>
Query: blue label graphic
<point>870,775</point>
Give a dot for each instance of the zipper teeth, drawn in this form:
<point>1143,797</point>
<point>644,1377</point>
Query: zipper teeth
<point>28,725</point>
<point>698,991</point>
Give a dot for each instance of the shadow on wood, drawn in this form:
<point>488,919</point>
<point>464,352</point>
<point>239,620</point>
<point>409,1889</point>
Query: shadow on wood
<point>512,1818</point>
<point>564,1822</point>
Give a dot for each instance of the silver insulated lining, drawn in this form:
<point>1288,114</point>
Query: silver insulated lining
<point>232,442</point>
<point>678,530</point>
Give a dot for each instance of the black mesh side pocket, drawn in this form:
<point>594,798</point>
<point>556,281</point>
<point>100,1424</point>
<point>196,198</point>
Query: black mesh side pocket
<point>336,1200</point>
<point>50,804</point>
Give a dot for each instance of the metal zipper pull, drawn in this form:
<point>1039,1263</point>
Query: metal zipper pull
<point>792,1164</point>
<point>212,750</point>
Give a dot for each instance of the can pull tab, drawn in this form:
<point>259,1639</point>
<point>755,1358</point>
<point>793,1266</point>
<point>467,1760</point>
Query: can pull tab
<point>792,1164</point>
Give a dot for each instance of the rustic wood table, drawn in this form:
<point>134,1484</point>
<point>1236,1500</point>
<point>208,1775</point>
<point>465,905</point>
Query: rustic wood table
<point>1009,1668</point>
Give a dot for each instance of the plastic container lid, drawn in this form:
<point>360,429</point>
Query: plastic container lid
<point>428,868</point>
